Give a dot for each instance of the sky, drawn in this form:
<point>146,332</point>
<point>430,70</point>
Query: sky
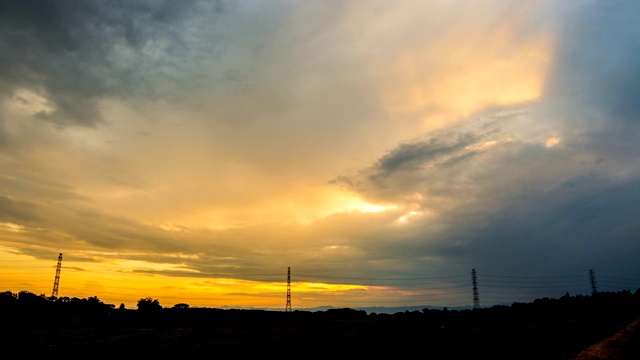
<point>357,153</point>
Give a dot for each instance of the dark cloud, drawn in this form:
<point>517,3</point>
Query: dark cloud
<point>520,205</point>
<point>504,200</point>
<point>415,155</point>
<point>75,53</point>
<point>17,212</point>
<point>547,234</point>
<point>597,69</point>
<point>431,167</point>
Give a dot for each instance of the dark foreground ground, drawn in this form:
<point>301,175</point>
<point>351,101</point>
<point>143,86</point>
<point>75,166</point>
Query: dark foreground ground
<point>545,329</point>
<point>493,339</point>
<point>625,344</point>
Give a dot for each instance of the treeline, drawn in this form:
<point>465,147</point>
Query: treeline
<point>612,305</point>
<point>549,328</point>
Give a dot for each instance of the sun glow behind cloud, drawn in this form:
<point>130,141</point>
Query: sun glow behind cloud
<point>12,227</point>
<point>466,70</point>
<point>552,141</point>
<point>303,207</point>
<point>29,103</point>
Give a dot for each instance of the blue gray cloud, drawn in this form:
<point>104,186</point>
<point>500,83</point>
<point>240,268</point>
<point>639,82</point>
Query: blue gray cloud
<point>77,53</point>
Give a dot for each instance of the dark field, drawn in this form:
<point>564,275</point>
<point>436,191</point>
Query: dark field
<point>544,329</point>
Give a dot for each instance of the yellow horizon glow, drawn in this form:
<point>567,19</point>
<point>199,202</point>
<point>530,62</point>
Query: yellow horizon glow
<point>118,283</point>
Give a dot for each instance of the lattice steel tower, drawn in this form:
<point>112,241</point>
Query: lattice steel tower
<point>474,282</point>
<point>288,307</point>
<point>56,281</point>
<point>592,279</point>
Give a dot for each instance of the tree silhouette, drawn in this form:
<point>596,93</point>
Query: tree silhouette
<point>149,304</point>
<point>547,328</point>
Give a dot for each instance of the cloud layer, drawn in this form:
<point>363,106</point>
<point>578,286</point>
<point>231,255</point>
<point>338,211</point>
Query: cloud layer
<point>351,141</point>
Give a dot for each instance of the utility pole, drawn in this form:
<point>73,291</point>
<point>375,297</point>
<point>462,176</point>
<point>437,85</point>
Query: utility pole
<point>474,282</point>
<point>56,281</point>
<point>288,307</point>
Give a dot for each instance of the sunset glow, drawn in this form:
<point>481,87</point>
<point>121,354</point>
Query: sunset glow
<point>194,152</point>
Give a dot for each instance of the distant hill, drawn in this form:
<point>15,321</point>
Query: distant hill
<point>368,310</point>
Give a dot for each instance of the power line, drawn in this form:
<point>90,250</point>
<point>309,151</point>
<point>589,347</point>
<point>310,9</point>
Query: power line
<point>405,289</point>
<point>533,277</point>
<point>381,279</point>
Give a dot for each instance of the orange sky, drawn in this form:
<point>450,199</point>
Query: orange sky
<point>380,149</point>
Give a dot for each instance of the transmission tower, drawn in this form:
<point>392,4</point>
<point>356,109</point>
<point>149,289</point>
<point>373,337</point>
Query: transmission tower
<point>288,307</point>
<point>56,281</point>
<point>592,279</point>
<point>474,282</point>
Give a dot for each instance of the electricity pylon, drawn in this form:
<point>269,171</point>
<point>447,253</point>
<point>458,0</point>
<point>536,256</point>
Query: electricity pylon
<point>288,307</point>
<point>474,282</point>
<point>56,281</point>
<point>592,279</point>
